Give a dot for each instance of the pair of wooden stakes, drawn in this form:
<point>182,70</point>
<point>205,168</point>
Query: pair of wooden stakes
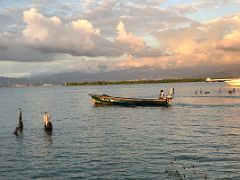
<point>46,119</point>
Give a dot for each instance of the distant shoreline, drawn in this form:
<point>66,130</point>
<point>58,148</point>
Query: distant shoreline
<point>95,83</point>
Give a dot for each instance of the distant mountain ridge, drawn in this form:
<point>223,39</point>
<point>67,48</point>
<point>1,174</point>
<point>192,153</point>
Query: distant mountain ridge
<point>8,80</point>
<point>132,74</point>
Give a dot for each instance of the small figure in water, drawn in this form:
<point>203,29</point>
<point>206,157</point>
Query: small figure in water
<point>47,122</point>
<point>20,122</point>
<point>206,92</point>
<point>161,95</point>
<point>195,92</point>
<point>220,90</point>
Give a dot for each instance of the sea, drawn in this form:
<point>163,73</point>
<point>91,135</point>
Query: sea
<point>196,137</point>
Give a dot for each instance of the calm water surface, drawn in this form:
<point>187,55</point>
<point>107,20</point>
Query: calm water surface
<point>197,137</point>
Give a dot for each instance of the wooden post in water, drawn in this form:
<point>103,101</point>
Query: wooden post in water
<point>20,122</point>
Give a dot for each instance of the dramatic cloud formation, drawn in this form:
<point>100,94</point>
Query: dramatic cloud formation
<point>51,35</point>
<point>78,38</point>
<point>104,35</point>
<point>198,44</point>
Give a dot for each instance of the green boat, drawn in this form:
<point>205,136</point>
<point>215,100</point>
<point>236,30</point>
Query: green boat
<point>104,99</point>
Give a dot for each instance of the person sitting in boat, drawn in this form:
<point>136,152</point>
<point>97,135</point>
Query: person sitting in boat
<point>161,95</point>
<point>47,122</point>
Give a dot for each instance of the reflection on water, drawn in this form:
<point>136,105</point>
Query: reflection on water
<point>210,100</point>
<point>195,138</point>
<point>48,137</point>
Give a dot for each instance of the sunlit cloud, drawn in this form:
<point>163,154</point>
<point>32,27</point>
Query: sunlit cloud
<point>128,38</point>
<point>198,44</point>
<point>231,41</point>
<point>50,35</point>
<point>98,35</point>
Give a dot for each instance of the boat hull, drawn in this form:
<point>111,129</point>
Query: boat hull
<point>110,100</point>
<point>233,82</point>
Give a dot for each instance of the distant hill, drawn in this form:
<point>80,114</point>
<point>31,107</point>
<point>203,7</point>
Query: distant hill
<point>132,74</point>
<point>6,80</point>
<point>143,73</point>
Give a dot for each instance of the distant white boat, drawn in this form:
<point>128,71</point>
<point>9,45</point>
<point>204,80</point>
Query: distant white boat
<point>233,82</point>
<point>217,79</point>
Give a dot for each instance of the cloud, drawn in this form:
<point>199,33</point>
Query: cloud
<point>85,26</point>
<point>13,48</point>
<point>137,3</point>
<point>150,19</point>
<point>199,5</point>
<point>107,14</point>
<point>98,8</point>
<point>89,4</point>
<point>231,41</point>
<point>79,38</point>
<point>133,62</point>
<point>51,35</point>
<point>23,54</point>
<point>214,42</point>
<point>43,38</point>
<point>134,42</point>
<point>134,45</point>
<point>182,9</point>
<point>108,34</point>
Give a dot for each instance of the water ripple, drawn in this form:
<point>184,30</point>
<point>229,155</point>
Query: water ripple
<point>194,138</point>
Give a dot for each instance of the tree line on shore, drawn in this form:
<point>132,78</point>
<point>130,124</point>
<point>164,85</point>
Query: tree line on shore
<point>92,83</point>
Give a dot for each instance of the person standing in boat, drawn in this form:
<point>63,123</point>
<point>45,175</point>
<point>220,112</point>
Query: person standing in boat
<point>161,95</point>
<point>47,122</point>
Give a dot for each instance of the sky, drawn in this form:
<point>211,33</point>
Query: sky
<point>89,36</point>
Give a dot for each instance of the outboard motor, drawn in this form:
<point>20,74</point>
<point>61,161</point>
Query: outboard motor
<point>171,93</point>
